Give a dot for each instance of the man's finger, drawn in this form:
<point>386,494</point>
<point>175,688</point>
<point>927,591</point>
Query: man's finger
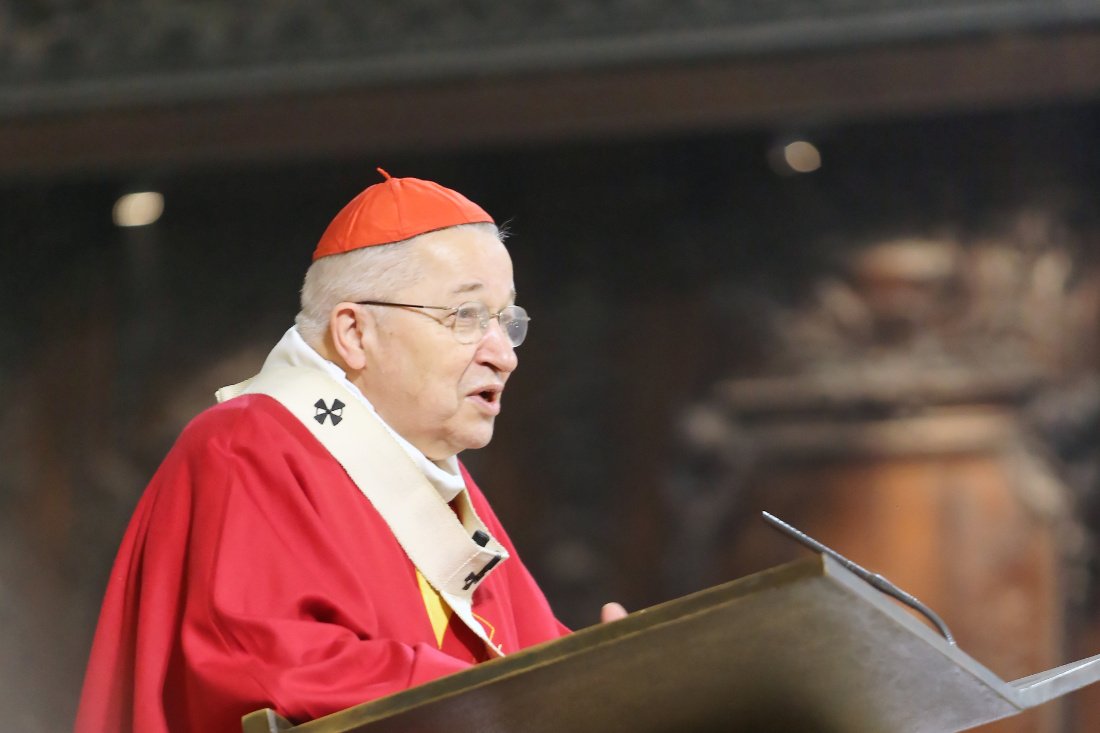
<point>612,612</point>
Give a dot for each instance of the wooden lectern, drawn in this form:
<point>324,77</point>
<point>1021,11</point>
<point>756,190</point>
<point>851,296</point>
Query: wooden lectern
<point>806,646</point>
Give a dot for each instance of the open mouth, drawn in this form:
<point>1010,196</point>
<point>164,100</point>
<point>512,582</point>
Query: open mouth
<point>488,399</point>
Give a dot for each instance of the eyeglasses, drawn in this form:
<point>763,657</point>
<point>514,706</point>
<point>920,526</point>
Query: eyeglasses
<point>471,319</point>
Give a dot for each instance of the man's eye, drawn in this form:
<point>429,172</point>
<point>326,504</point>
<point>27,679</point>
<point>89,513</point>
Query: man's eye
<point>469,315</point>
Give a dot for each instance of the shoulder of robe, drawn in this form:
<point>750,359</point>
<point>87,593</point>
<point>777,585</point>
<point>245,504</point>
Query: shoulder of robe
<point>247,416</point>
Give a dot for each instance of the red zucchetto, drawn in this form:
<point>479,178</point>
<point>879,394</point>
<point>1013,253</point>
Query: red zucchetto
<point>394,210</point>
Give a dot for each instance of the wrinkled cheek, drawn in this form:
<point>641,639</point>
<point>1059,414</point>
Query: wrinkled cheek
<point>428,401</point>
<point>441,410</point>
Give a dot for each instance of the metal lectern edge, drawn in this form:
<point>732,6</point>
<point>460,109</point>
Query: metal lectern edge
<point>1045,686</point>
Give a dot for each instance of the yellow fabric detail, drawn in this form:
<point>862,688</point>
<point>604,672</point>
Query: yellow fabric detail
<point>439,613</point>
<point>492,629</point>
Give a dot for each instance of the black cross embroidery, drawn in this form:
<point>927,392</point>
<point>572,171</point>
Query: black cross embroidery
<point>472,578</point>
<point>323,411</point>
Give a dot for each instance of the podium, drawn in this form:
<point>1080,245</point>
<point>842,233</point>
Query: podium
<point>807,646</point>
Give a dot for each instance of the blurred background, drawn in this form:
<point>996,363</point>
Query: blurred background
<point>833,259</point>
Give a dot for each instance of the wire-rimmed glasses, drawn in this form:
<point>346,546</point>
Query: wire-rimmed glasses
<point>471,319</point>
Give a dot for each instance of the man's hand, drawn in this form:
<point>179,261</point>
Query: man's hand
<point>612,612</point>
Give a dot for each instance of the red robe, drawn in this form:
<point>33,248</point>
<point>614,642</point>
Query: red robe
<point>255,574</point>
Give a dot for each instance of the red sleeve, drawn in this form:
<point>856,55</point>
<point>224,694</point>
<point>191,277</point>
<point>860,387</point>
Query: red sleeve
<point>251,578</point>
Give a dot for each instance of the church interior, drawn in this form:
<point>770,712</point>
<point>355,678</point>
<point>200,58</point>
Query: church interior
<point>837,261</point>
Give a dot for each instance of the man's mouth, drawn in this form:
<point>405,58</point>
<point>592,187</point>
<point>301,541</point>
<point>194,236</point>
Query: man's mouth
<point>487,399</point>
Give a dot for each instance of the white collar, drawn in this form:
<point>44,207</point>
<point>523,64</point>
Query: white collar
<point>292,350</point>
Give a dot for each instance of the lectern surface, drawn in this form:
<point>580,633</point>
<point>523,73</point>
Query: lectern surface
<point>805,646</point>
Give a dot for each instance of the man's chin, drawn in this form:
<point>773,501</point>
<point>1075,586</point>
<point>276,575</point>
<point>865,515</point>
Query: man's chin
<point>477,437</point>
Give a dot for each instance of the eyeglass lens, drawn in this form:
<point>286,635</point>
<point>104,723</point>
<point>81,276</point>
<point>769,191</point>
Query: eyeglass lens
<point>472,320</point>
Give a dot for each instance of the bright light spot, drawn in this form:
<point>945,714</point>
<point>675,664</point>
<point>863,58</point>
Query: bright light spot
<point>138,209</point>
<point>802,157</point>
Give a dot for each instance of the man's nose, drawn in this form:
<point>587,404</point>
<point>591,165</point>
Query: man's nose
<point>496,348</point>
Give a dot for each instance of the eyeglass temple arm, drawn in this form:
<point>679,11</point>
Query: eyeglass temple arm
<point>404,305</point>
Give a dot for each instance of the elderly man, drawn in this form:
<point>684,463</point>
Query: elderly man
<point>312,542</point>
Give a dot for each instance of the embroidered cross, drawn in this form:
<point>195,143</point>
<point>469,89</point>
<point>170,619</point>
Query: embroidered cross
<point>335,413</point>
<point>476,578</point>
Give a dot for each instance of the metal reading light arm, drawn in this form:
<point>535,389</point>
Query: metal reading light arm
<point>877,581</point>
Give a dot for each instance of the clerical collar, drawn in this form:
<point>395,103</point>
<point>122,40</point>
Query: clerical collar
<point>292,350</point>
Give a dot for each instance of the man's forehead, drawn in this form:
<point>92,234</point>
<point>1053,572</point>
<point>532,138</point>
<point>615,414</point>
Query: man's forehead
<point>475,287</point>
<point>464,249</point>
<point>462,261</point>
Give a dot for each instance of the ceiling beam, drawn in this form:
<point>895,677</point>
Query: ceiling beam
<point>785,91</point>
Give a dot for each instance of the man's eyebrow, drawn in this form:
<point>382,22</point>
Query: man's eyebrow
<point>468,287</point>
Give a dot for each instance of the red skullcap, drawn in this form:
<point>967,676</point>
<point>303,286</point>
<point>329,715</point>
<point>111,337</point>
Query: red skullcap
<point>394,210</point>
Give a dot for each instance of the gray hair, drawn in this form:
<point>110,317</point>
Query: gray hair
<point>368,273</point>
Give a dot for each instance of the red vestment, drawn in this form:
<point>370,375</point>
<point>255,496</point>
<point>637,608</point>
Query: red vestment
<point>254,574</point>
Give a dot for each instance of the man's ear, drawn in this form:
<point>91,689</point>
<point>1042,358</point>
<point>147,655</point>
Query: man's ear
<point>351,330</point>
